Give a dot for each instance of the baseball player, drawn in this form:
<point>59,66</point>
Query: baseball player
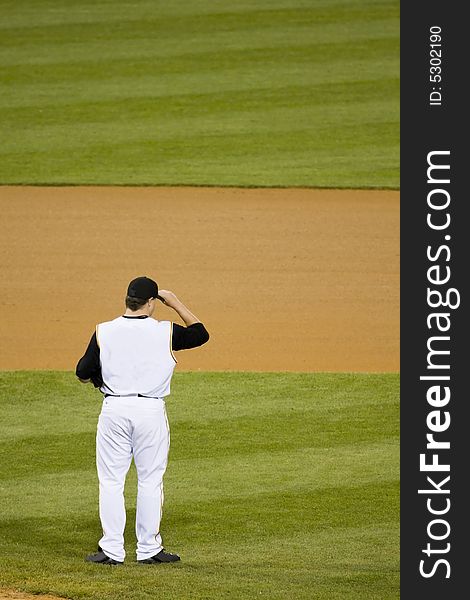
<point>131,360</point>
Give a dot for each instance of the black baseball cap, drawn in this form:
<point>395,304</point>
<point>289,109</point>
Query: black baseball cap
<point>143,288</point>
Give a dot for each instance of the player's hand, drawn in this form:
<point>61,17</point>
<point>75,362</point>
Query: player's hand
<point>173,302</point>
<point>170,299</point>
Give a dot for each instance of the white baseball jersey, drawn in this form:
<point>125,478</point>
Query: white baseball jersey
<point>136,356</point>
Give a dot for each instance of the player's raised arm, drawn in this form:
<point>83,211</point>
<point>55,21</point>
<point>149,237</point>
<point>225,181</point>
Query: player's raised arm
<point>173,302</point>
<point>194,334</point>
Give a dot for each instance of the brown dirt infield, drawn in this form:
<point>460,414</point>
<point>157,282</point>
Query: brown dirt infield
<point>285,280</point>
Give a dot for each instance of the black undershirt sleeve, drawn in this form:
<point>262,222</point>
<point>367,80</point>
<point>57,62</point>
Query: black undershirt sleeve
<point>89,366</point>
<point>189,337</point>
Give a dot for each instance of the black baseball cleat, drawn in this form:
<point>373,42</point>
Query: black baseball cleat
<point>100,558</point>
<point>161,557</point>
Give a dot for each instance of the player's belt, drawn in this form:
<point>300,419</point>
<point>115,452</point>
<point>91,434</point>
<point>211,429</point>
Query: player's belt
<point>129,396</point>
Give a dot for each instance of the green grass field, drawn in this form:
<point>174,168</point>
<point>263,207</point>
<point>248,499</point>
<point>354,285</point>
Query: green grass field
<point>279,93</point>
<point>279,485</point>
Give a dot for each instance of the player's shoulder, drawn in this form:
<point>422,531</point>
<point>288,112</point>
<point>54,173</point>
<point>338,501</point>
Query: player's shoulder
<point>159,328</point>
<point>110,322</point>
<point>161,324</point>
<point>108,325</point>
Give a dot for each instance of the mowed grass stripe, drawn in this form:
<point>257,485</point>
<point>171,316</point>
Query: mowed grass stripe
<point>152,87</point>
<point>208,134</point>
<point>168,48</point>
<point>284,484</point>
<point>249,102</point>
<point>221,476</point>
<point>88,21</point>
<point>290,153</point>
<point>140,99</point>
<point>48,12</point>
<point>154,82</point>
<point>71,409</point>
<point>233,60</point>
<point>251,517</point>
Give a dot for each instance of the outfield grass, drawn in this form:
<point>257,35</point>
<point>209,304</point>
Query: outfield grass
<point>279,485</point>
<point>279,93</point>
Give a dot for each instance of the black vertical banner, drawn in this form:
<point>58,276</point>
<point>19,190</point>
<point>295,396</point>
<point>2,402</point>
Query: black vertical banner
<point>435,251</point>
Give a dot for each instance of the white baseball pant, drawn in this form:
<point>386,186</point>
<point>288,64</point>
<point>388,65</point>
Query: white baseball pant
<point>131,427</point>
